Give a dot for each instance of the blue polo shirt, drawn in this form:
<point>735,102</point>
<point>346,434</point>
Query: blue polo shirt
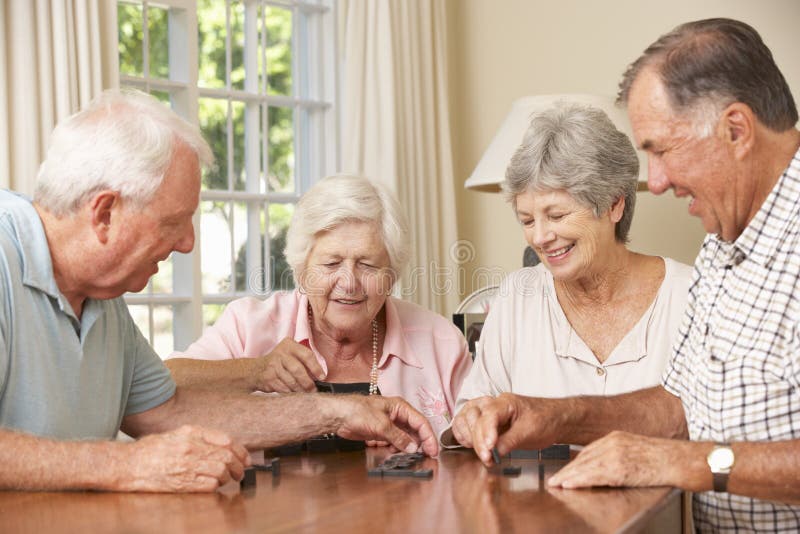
<point>60,376</point>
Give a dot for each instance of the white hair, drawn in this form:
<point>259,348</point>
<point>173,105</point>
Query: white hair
<point>346,198</point>
<point>123,141</point>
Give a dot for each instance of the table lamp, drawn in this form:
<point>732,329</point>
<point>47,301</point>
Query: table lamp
<point>491,169</point>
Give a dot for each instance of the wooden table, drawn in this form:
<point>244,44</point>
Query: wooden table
<point>331,492</point>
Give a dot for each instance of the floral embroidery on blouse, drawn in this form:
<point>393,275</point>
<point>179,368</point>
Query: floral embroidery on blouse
<point>432,405</point>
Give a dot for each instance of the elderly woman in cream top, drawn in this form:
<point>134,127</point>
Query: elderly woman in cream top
<point>593,318</point>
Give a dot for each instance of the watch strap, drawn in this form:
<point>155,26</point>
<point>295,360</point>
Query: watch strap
<point>721,482</point>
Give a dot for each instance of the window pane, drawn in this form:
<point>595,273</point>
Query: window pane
<point>280,274</point>
<point>162,330</point>
<point>301,52</point>
<point>240,244</point>
<point>237,45</point>
<point>141,316</point>
<point>278,51</point>
<point>162,96</point>
<point>213,119</point>
<point>161,282</point>
<point>129,24</point>
<point>211,313</point>
<point>211,43</point>
<point>280,148</point>
<point>237,119</point>
<point>157,24</point>
<point>215,250</point>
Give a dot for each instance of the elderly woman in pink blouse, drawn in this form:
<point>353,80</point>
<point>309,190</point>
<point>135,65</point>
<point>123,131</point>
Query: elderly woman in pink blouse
<point>347,242</point>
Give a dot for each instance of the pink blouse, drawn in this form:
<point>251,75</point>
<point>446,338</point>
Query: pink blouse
<point>425,358</point>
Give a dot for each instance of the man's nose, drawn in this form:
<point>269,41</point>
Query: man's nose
<point>657,180</point>
<point>186,243</point>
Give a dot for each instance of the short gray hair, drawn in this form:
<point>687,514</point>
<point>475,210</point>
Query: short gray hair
<point>576,148</point>
<point>708,64</point>
<point>124,141</point>
<point>343,198</point>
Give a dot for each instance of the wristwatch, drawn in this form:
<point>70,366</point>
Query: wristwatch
<point>720,460</point>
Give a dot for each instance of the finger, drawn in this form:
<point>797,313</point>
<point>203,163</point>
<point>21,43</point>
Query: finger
<point>469,416</point>
<point>234,463</point>
<point>221,439</point>
<point>299,372</point>
<point>475,420</point>
<point>242,454</point>
<point>213,468</point>
<point>213,437</point>
<point>203,483</point>
<point>309,361</point>
<point>236,469</point>
<point>484,434</point>
<point>460,427</point>
<point>405,415</point>
<point>288,380</point>
<point>585,475</point>
<point>573,468</point>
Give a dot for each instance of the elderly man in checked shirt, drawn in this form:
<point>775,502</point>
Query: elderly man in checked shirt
<point>714,114</point>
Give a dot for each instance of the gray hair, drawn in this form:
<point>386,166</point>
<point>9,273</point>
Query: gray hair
<point>708,64</point>
<point>123,141</point>
<point>576,148</point>
<point>346,198</point>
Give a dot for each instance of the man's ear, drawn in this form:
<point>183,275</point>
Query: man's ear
<point>103,210</point>
<point>617,209</point>
<point>738,123</point>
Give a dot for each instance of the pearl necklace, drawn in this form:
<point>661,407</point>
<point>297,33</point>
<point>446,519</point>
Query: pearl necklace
<point>373,373</point>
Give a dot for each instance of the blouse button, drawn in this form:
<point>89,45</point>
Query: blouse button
<point>600,371</point>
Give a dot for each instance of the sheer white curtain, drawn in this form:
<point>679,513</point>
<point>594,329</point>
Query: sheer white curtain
<point>396,129</point>
<point>50,65</point>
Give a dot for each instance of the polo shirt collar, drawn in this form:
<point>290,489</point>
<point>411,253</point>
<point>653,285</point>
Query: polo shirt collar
<point>37,265</point>
<point>394,344</point>
<point>761,238</point>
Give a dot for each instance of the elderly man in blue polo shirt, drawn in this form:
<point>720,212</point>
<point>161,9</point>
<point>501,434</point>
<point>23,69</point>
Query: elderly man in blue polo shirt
<point>114,197</point>
<point>718,122</point>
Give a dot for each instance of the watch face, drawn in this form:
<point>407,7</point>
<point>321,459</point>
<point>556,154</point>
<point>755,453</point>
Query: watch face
<point>721,458</point>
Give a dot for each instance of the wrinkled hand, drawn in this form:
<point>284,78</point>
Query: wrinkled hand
<point>506,422</point>
<point>625,459</point>
<point>290,367</point>
<point>188,459</point>
<point>384,419</point>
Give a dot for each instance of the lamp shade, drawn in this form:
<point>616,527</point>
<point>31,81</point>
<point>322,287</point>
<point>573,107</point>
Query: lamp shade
<point>491,169</point>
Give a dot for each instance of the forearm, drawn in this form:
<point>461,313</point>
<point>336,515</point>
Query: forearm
<point>650,412</point>
<point>255,421</point>
<point>235,374</point>
<point>33,463</point>
<point>763,470</point>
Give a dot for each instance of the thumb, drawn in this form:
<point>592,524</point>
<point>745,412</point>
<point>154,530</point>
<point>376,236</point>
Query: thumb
<point>399,439</point>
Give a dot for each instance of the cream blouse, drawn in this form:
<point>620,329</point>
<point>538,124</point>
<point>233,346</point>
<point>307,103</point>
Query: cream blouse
<point>528,346</point>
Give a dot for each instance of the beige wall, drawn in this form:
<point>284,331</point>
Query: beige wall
<point>500,50</point>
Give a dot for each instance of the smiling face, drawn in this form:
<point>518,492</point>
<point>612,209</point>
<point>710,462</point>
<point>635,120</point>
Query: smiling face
<point>698,168</point>
<point>347,278</point>
<point>149,234</point>
<point>565,234</point>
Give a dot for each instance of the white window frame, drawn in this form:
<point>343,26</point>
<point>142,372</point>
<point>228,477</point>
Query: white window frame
<point>315,141</point>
